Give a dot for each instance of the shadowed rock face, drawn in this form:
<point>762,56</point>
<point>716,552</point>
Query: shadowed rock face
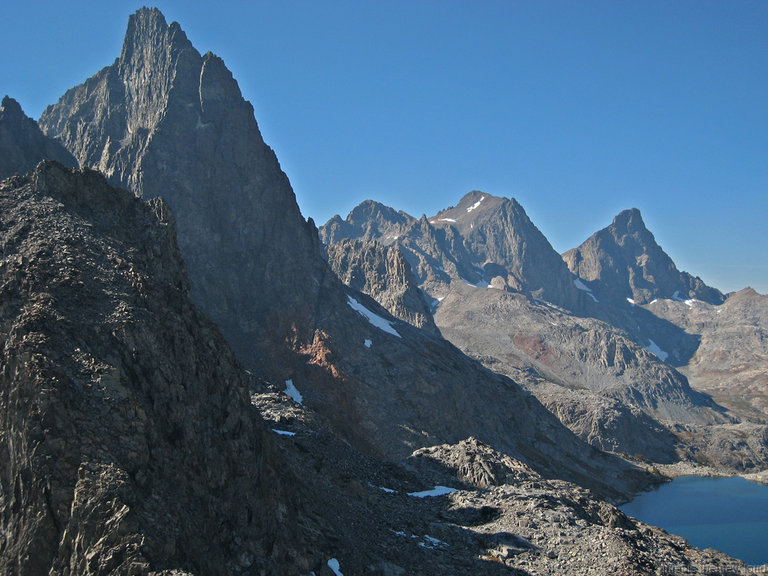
<point>22,143</point>
<point>164,120</point>
<point>626,262</point>
<point>384,274</point>
<point>127,436</point>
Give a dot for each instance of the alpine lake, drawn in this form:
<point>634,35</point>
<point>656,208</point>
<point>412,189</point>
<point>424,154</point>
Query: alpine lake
<point>728,514</point>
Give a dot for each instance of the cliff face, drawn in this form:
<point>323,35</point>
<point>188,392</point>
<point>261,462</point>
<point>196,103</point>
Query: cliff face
<point>127,436</point>
<point>626,262</point>
<point>384,274</point>
<point>22,143</point>
<point>164,120</point>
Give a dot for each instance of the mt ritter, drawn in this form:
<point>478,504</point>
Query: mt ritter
<point>196,380</point>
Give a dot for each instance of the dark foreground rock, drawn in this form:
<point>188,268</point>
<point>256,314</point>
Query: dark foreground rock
<point>468,509</point>
<point>127,439</point>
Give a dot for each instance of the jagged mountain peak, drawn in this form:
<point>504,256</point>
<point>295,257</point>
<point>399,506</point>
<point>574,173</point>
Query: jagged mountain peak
<point>372,209</point>
<point>502,239</point>
<point>483,240</point>
<point>164,120</point>
<point>11,107</point>
<point>147,29</point>
<point>629,221</point>
<point>368,220</point>
<point>473,207</point>
<point>625,261</point>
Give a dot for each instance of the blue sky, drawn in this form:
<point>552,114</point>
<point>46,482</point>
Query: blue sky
<point>578,109</point>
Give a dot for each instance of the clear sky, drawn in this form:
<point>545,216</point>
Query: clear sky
<point>578,109</point>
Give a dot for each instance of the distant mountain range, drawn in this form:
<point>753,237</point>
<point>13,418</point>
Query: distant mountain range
<point>192,382</point>
<point>581,331</point>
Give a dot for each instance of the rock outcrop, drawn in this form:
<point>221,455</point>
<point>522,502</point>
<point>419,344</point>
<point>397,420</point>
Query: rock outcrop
<point>127,438</point>
<point>624,261</point>
<point>22,143</point>
<point>384,274</point>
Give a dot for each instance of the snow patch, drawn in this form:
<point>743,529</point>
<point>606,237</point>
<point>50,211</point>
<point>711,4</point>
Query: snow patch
<point>677,298</point>
<point>654,349</point>
<point>387,490</point>
<point>447,220</point>
<point>374,319</point>
<point>482,285</point>
<point>333,564</point>
<point>475,205</point>
<point>581,286</point>
<point>436,491</point>
<point>368,343</point>
<point>584,288</point>
<point>430,543</point>
<point>283,432</point>
<point>293,392</point>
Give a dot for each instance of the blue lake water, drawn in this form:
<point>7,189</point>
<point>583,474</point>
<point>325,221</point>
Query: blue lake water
<point>728,514</point>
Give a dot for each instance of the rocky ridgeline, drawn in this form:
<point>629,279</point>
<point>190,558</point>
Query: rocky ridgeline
<point>127,436</point>
<point>383,273</point>
<point>604,365</point>
<point>484,240</point>
<point>625,261</point>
